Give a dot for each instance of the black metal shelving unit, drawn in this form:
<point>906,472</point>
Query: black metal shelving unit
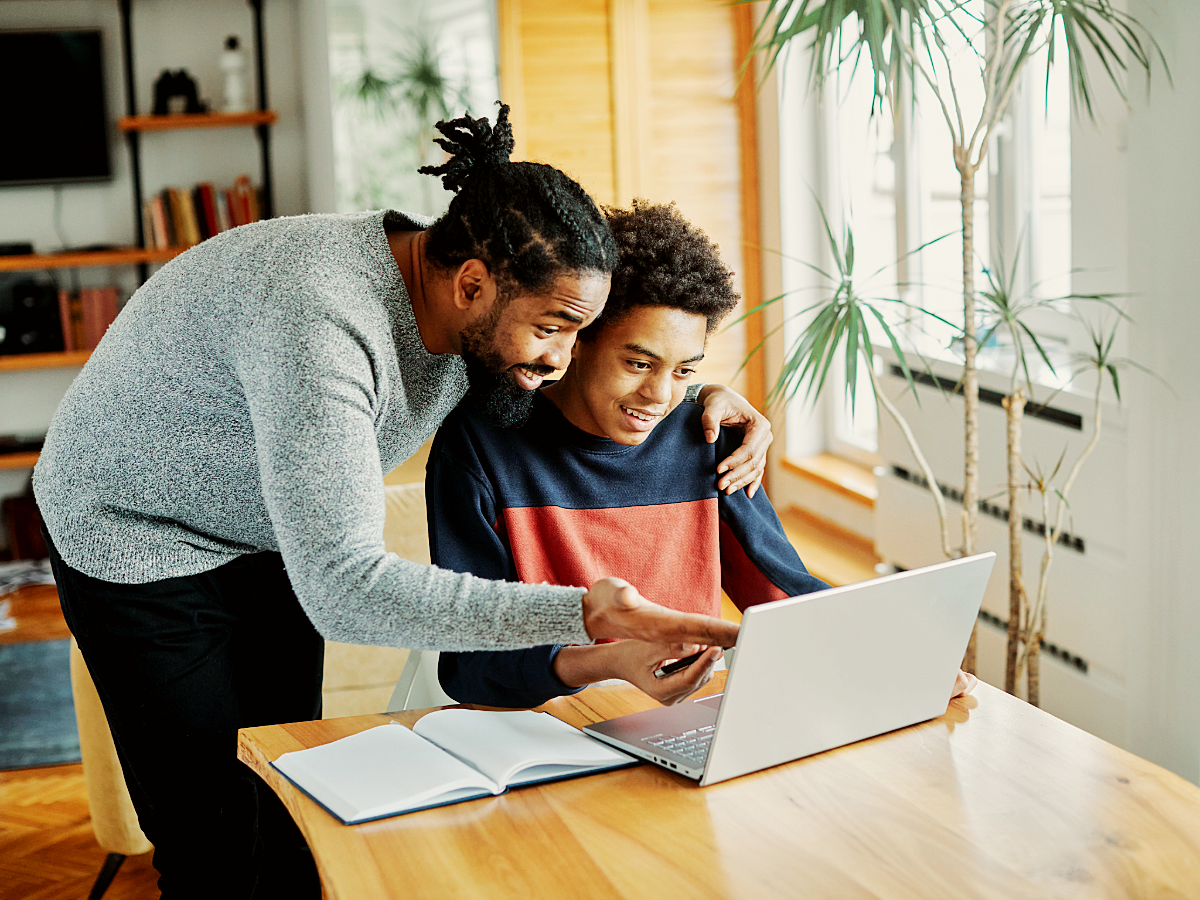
<point>133,137</point>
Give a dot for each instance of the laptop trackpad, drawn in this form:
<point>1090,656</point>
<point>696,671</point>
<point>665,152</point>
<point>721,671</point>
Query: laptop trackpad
<point>714,701</point>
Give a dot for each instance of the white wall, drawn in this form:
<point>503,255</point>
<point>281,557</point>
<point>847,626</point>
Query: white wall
<point>1155,209</point>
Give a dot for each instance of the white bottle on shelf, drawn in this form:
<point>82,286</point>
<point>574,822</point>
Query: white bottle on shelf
<point>233,64</point>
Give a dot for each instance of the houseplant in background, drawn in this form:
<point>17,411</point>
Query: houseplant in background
<point>1006,311</point>
<point>400,99</point>
<point>841,323</point>
<point>906,44</point>
<point>1025,641</point>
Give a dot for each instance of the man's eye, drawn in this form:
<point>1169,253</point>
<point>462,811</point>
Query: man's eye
<point>548,331</point>
<point>640,364</point>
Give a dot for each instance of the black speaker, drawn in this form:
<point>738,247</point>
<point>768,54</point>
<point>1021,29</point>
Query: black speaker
<point>29,320</point>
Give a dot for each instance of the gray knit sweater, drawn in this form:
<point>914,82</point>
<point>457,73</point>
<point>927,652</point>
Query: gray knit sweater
<point>250,397</point>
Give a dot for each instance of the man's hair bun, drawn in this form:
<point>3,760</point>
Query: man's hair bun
<point>473,144</point>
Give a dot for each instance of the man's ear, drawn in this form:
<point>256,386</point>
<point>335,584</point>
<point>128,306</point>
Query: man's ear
<point>474,287</point>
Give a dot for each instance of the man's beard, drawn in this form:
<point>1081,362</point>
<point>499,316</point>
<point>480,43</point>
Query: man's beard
<point>493,391</point>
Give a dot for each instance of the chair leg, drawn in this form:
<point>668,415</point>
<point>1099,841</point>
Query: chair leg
<point>111,864</point>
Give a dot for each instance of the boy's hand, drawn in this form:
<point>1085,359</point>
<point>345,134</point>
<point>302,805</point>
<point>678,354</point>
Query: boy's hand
<point>745,466</point>
<point>963,684</point>
<point>613,608</point>
<point>636,662</point>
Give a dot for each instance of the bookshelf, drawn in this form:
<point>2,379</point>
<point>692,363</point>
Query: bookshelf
<point>26,459</point>
<point>117,256</point>
<point>24,362</point>
<point>134,126</point>
<point>197,120</point>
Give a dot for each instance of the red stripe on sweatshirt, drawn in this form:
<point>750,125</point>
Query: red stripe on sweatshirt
<point>669,552</point>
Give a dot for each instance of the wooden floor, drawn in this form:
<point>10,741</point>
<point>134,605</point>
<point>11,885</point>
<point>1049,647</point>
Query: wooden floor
<point>47,849</point>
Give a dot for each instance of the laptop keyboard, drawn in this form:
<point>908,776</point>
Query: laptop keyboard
<point>692,745</point>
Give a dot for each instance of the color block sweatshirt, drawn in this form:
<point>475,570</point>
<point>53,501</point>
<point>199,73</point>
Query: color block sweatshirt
<point>549,502</point>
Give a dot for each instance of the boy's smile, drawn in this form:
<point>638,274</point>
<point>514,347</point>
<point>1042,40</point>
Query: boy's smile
<point>624,380</point>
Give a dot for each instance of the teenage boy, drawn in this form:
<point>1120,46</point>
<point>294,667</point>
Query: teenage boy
<point>611,475</point>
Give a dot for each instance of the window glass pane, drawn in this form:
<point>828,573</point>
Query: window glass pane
<point>398,66</point>
<point>861,194</point>
<point>1051,152</point>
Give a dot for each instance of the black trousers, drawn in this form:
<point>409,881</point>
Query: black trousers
<point>180,666</point>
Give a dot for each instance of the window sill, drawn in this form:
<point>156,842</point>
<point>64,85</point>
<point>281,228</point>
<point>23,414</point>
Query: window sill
<point>837,474</point>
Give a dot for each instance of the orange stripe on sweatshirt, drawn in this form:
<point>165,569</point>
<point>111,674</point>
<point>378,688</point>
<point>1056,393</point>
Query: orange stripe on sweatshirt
<point>669,552</point>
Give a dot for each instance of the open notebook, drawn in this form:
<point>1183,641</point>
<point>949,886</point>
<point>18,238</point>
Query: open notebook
<point>449,756</point>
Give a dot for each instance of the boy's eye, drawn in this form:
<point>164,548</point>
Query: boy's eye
<point>685,373</point>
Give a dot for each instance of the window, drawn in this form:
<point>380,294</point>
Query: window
<point>396,67</point>
<point>893,181</point>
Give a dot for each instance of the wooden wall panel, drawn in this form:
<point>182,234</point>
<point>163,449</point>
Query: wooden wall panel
<point>557,72</point>
<point>637,97</point>
<point>694,154</point>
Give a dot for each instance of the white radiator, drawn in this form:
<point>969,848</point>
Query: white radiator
<point>1084,658</point>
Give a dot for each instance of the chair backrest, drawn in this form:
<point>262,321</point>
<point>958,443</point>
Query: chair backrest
<point>406,534</point>
<point>113,818</point>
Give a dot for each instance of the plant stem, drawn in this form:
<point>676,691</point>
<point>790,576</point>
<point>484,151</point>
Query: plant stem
<point>970,502</point>
<point>1033,637</point>
<point>1014,406</point>
<point>939,501</point>
<point>970,507</point>
<point>1034,634</point>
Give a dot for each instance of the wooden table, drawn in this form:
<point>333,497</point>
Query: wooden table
<point>995,799</point>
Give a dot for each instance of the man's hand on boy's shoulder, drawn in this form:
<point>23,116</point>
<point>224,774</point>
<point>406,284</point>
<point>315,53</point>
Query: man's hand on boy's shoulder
<point>744,467</point>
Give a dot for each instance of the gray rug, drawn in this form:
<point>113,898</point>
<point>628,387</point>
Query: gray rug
<point>37,712</point>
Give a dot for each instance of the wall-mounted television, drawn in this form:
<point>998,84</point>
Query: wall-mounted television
<point>55,126</point>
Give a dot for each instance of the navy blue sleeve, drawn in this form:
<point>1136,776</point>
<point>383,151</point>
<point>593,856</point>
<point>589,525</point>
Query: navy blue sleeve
<point>758,562</point>
<point>463,516</point>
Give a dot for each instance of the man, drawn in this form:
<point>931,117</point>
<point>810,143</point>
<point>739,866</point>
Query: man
<point>611,474</point>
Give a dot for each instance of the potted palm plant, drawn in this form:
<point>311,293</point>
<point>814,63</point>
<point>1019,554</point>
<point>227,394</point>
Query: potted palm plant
<point>908,41</point>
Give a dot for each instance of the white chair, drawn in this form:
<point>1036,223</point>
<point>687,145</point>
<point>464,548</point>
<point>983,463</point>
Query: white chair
<point>418,687</point>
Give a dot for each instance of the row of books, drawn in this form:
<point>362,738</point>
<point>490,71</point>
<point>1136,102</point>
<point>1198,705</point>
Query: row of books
<point>183,217</point>
<point>86,315</point>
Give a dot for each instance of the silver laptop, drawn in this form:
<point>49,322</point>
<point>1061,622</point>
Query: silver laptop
<point>818,671</point>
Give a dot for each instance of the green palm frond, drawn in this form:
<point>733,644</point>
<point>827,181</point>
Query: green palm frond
<point>845,32</point>
<point>842,325</point>
<point>420,81</point>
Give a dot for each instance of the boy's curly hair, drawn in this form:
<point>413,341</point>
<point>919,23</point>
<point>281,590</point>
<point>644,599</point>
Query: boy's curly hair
<point>664,260</point>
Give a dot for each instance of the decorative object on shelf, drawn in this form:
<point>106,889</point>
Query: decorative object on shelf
<point>176,92</point>
<point>233,64</point>
<point>29,320</point>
